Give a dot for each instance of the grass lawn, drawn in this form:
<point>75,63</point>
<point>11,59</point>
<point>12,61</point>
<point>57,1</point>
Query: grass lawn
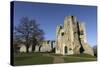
<point>79,58</point>
<point>83,55</point>
<point>48,58</point>
<point>31,59</point>
<point>73,59</point>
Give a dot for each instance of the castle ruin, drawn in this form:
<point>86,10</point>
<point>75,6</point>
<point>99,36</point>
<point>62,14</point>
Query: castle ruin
<point>71,38</point>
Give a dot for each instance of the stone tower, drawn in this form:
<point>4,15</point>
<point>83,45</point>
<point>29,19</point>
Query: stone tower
<point>71,38</point>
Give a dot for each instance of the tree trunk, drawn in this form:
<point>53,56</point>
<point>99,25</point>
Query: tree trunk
<point>27,48</point>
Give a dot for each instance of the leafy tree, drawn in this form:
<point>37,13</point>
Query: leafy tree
<point>29,33</point>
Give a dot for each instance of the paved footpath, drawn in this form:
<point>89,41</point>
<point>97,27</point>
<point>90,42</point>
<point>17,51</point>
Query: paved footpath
<point>58,59</point>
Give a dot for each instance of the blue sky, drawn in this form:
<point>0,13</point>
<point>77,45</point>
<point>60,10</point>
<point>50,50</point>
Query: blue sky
<point>51,15</point>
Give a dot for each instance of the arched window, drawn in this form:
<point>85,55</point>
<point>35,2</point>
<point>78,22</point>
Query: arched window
<point>62,34</point>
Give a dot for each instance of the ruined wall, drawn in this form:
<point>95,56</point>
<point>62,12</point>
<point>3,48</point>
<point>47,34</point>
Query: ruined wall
<point>46,46</point>
<point>71,38</point>
<point>87,48</point>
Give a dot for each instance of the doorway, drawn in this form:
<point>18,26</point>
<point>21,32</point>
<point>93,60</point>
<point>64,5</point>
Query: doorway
<point>65,49</point>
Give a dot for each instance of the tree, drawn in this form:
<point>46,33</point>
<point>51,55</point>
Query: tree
<point>29,33</point>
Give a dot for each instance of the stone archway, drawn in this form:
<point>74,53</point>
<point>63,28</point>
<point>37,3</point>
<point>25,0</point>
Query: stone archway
<point>65,49</point>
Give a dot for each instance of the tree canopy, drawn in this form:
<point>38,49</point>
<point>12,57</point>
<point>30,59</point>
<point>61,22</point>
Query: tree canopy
<point>28,33</point>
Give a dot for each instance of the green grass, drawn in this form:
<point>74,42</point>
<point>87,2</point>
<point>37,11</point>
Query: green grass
<point>82,55</point>
<point>31,59</point>
<point>79,58</point>
<point>70,59</point>
<point>48,58</point>
<point>53,54</point>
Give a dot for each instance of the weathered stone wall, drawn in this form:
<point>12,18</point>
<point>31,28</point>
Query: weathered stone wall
<point>71,38</point>
<point>46,46</point>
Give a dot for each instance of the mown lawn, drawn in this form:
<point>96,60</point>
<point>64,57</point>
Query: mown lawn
<point>79,58</point>
<point>75,59</point>
<point>83,55</point>
<point>48,58</point>
<point>31,59</point>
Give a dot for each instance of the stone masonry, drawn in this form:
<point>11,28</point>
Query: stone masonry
<point>71,38</point>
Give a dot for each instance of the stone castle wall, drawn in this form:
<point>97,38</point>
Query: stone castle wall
<point>71,38</point>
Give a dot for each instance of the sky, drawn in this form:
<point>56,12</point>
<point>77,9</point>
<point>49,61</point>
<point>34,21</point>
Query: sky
<point>51,15</point>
